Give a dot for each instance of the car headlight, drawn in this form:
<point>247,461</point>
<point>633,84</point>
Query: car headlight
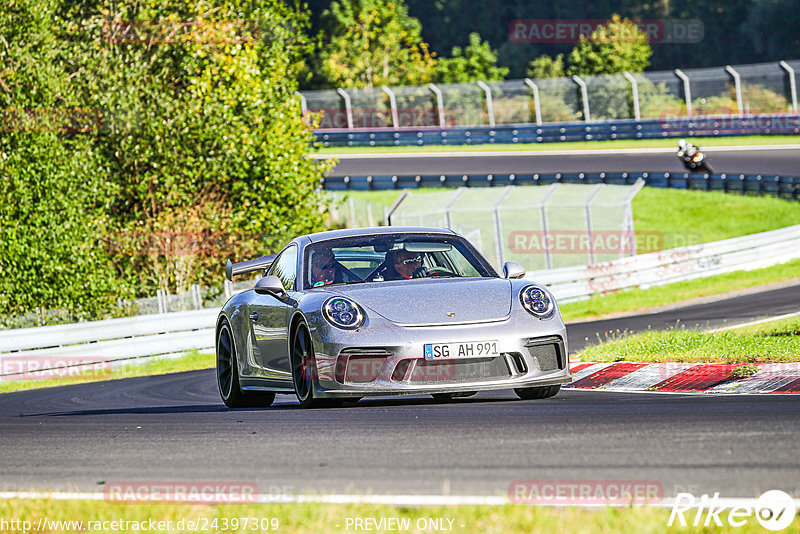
<point>342,312</point>
<point>537,301</point>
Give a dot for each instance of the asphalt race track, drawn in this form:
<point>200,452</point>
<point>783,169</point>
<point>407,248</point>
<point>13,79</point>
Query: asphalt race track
<point>776,160</point>
<point>713,313</point>
<point>175,428</point>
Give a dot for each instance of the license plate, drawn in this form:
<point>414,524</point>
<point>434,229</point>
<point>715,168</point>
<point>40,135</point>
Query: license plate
<point>467,349</point>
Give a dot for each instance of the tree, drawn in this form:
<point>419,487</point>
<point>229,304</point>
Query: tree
<point>163,137</point>
<point>369,43</point>
<point>477,61</point>
<point>546,67</point>
<point>54,187</point>
<point>209,146</point>
<point>615,47</point>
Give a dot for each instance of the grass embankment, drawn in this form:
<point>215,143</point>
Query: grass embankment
<point>573,145</point>
<point>640,299</point>
<point>773,342</point>
<point>679,218</point>
<point>332,518</point>
<point>63,377</point>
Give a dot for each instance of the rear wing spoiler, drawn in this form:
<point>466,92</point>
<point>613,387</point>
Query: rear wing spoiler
<point>259,264</point>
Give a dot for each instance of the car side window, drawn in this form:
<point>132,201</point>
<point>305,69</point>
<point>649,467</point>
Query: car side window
<point>285,267</point>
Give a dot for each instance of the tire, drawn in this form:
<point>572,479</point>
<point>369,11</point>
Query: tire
<point>537,393</point>
<point>451,396</point>
<point>304,369</point>
<point>228,375</point>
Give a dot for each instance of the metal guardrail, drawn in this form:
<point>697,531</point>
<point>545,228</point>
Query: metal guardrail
<point>118,340</point>
<point>674,265</point>
<point>668,128</point>
<point>102,342</point>
<point>787,187</point>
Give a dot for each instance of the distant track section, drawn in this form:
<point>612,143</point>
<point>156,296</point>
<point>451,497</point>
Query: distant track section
<point>555,132</point>
<point>787,187</point>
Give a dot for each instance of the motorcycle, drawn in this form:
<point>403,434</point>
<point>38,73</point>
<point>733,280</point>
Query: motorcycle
<point>693,159</point>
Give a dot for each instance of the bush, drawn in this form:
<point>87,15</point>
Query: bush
<point>194,149</point>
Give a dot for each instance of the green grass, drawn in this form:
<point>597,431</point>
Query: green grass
<point>188,362</point>
<point>639,299</point>
<point>679,217</point>
<point>331,518</point>
<point>777,342</point>
<point>575,145</point>
<point>782,327</point>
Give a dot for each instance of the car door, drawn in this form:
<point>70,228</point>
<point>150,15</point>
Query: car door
<point>270,317</point>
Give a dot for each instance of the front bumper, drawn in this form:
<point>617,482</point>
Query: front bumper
<point>533,353</point>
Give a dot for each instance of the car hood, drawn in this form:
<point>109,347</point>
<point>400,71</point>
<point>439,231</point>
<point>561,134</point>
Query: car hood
<point>429,301</point>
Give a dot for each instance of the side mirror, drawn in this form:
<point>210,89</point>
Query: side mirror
<point>270,285</point>
<point>513,270</point>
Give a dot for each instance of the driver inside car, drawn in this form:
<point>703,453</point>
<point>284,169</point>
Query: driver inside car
<point>401,264</point>
<point>325,269</point>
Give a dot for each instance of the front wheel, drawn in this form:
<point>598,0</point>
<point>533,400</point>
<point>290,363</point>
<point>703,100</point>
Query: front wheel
<point>228,375</point>
<point>537,393</point>
<point>304,370</point>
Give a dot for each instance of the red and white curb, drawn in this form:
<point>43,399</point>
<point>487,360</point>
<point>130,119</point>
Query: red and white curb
<point>686,377</point>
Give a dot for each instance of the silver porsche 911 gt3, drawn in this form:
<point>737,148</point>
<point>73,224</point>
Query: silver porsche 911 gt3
<point>345,314</point>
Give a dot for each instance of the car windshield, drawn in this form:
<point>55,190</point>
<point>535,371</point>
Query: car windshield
<point>391,257</point>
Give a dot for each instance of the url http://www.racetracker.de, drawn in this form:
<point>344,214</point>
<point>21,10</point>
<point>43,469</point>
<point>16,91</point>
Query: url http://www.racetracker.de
<point>201,524</point>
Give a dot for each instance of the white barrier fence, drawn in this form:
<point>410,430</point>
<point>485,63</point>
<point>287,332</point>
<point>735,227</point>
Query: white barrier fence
<point>667,266</point>
<point>25,350</point>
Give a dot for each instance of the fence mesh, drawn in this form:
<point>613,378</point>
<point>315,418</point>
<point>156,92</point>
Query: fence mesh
<point>560,225</point>
<point>765,88</point>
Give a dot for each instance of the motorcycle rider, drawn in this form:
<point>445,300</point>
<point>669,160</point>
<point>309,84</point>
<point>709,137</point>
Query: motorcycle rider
<point>693,159</point>
<point>686,150</point>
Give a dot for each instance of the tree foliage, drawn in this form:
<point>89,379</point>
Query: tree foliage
<point>617,46</point>
<point>476,61</point>
<point>546,67</point>
<point>199,151</point>
<point>369,43</point>
<point>54,186</point>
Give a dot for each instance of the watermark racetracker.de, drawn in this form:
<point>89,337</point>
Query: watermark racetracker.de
<point>586,492</point>
<point>194,492</point>
<point>203,32</point>
<point>572,30</point>
<point>27,367</point>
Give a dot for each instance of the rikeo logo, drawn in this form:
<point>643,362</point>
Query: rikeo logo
<point>774,510</point>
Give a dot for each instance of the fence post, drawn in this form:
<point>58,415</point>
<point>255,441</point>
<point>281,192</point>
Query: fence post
<point>498,228</point>
<point>459,192</point>
<point>635,94</point>
<point>792,84</point>
<point>348,109</point>
<point>587,210</point>
<point>439,103</point>
<point>198,299</point>
<point>161,298</point>
<point>737,86</point>
<point>548,256</point>
<point>393,104</point>
<point>489,104</point>
<point>687,91</point>
<point>537,105</point>
<point>303,102</point>
<point>584,95</point>
<point>394,206</point>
